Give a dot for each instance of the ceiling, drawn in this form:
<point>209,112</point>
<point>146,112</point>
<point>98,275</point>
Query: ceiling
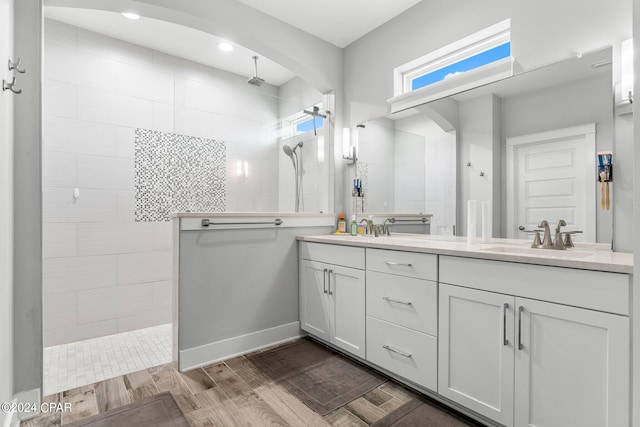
<point>330,20</point>
<point>340,22</point>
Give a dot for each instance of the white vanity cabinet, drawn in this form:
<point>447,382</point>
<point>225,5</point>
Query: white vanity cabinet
<point>518,360</point>
<point>332,295</point>
<point>402,307</point>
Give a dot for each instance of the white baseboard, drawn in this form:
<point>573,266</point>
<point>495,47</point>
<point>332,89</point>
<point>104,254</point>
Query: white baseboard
<point>29,398</point>
<point>207,354</point>
<point>10,418</point>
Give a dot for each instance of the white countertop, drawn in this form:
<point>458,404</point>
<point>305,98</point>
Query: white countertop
<point>584,256</point>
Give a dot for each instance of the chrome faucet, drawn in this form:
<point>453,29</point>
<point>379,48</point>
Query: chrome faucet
<point>558,243</point>
<point>546,240</point>
<point>367,230</point>
<point>385,227</point>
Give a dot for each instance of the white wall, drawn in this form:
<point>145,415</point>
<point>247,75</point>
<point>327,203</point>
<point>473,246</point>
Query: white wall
<point>6,217</point>
<point>104,273</point>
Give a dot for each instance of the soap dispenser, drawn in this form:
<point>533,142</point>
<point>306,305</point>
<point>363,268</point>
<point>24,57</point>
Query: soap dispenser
<point>354,226</point>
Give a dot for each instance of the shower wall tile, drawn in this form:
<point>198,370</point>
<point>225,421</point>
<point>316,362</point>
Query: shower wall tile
<point>114,302</point>
<point>60,310</point>
<point>105,172</point>
<point>114,238</point>
<point>117,50</point>
<point>59,240</point>
<point>71,66</point>
<point>78,273</point>
<point>60,99</point>
<point>145,83</point>
<point>59,169</point>
<point>79,332</point>
<point>144,267</point>
<point>79,137</point>
<point>162,236</point>
<point>59,205</point>
<point>189,121</point>
<point>163,117</point>
<point>125,143</point>
<point>144,319</point>
<point>162,295</point>
<point>126,206</point>
<point>60,34</point>
<point>113,108</point>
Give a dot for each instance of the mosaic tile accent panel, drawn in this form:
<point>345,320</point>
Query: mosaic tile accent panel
<point>362,169</point>
<point>177,173</point>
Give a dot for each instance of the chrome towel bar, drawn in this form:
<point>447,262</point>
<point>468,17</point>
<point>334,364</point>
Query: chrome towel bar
<point>207,222</point>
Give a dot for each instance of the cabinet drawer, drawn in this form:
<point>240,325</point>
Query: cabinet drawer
<point>347,256</point>
<point>410,264</point>
<point>405,301</point>
<point>409,354</point>
<point>595,290</point>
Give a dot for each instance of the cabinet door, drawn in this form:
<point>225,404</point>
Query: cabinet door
<point>475,354</point>
<point>314,301</point>
<point>573,367</point>
<point>346,292</point>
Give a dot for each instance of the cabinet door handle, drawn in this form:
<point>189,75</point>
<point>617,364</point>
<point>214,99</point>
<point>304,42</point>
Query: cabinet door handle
<point>330,273</point>
<point>324,280</point>
<point>505,341</point>
<point>520,310</point>
<point>395,350</point>
<point>397,300</point>
<point>398,263</point>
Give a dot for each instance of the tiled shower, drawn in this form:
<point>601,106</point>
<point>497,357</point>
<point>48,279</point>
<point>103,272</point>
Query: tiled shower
<point>119,120</point>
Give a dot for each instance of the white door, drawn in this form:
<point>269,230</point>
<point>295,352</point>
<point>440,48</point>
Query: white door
<point>475,351</point>
<point>573,368</point>
<point>346,292</point>
<point>551,175</point>
<point>314,299</point>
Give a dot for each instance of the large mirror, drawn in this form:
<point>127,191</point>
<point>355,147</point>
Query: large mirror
<point>528,144</point>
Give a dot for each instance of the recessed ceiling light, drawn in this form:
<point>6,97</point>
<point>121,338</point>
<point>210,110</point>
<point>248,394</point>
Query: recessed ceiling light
<point>131,15</point>
<point>225,46</point>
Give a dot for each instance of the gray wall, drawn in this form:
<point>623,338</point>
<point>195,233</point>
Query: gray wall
<point>27,205</point>
<point>6,220</point>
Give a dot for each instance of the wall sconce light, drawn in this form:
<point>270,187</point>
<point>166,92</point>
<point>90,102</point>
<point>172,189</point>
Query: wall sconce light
<point>242,169</point>
<point>626,84</point>
<point>349,152</point>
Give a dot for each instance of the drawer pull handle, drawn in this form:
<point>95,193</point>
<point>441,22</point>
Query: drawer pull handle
<point>398,263</point>
<point>520,310</point>
<point>395,350</point>
<point>324,280</point>
<point>505,341</point>
<point>330,273</point>
<point>397,300</point>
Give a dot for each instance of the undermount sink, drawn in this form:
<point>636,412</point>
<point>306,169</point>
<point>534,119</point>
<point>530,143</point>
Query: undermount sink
<point>553,253</point>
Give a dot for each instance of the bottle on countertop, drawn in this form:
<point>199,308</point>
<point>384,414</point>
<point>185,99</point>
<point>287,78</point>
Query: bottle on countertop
<point>342,224</point>
<point>354,226</point>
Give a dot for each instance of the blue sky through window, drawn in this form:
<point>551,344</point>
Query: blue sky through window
<point>475,61</point>
<point>307,125</point>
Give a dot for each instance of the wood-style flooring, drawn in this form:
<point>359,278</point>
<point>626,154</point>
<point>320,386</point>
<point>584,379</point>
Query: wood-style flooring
<point>226,394</point>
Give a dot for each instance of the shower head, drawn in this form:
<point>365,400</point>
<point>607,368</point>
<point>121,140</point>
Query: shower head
<point>255,80</point>
<point>289,151</point>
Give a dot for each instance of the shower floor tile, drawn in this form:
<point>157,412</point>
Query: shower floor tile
<point>85,362</point>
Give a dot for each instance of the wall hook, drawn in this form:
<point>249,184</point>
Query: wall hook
<point>469,164</point>
<point>16,66</point>
<point>10,86</point>
<point>481,173</point>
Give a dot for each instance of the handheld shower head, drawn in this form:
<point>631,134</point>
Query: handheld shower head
<point>299,144</point>
<point>287,150</point>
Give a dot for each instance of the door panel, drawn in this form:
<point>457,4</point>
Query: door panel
<point>475,363</point>
<point>314,302</point>
<point>573,367</point>
<point>346,293</point>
